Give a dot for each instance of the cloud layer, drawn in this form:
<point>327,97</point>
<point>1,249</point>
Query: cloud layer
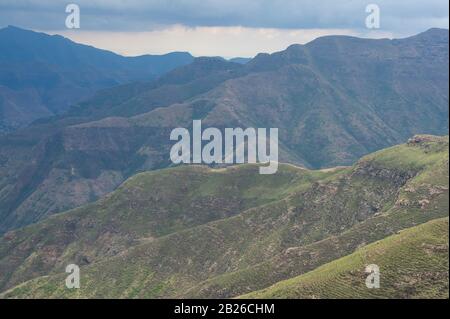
<point>398,16</point>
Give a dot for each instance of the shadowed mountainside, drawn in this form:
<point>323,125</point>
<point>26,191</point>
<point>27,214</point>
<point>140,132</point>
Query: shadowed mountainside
<point>43,75</point>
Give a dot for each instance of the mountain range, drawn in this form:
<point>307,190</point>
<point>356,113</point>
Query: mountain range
<point>363,178</point>
<point>43,75</point>
<point>334,100</point>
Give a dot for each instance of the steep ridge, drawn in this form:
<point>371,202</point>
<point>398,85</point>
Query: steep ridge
<point>193,231</point>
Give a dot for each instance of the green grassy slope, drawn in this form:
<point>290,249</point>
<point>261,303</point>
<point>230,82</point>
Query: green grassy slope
<point>421,199</point>
<point>413,264</point>
<point>148,206</point>
<point>234,231</point>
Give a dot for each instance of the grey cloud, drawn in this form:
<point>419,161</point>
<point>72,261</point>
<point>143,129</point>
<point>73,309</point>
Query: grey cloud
<point>397,16</point>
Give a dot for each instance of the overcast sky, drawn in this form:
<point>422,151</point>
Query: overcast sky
<point>220,27</point>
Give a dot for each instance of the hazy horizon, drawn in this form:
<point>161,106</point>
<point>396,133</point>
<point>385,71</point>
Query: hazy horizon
<point>217,28</point>
<point>94,41</point>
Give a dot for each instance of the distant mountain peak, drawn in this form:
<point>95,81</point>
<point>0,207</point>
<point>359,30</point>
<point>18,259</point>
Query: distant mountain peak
<point>435,30</point>
<point>432,35</point>
<point>432,32</point>
<point>12,27</point>
<point>17,34</point>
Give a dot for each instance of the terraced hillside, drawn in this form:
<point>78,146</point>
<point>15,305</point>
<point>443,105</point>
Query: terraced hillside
<point>196,232</point>
<point>413,264</point>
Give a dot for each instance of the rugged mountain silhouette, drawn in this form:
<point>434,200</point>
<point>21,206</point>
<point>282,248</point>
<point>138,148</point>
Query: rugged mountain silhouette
<point>43,75</point>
